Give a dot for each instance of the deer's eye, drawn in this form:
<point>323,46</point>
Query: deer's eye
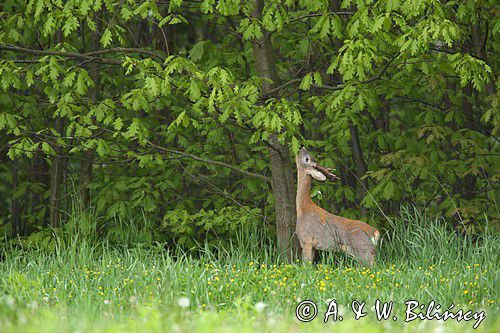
<point>307,159</point>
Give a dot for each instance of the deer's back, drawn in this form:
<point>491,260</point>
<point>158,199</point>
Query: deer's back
<point>332,231</point>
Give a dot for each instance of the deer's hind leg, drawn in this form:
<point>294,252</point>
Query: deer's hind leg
<point>309,249</point>
<point>308,253</point>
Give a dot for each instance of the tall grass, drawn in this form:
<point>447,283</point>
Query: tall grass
<point>420,239</point>
<point>79,279</point>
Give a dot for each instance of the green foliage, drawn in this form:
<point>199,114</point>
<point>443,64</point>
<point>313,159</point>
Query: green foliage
<point>214,227</point>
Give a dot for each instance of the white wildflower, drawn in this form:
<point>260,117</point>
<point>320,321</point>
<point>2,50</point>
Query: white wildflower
<point>260,306</point>
<point>439,327</point>
<point>10,301</point>
<point>183,302</point>
<point>22,319</point>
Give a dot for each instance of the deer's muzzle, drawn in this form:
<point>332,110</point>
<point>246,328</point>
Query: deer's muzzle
<point>326,171</point>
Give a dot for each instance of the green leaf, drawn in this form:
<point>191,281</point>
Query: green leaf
<point>250,29</point>
<point>306,82</point>
<point>83,82</point>
<point>47,149</point>
<point>295,144</point>
<point>389,190</point>
<point>318,80</point>
<point>118,124</point>
<point>68,79</point>
<point>70,25</point>
<point>101,148</point>
<point>29,78</point>
<point>196,52</point>
<point>107,38</point>
<point>194,90</point>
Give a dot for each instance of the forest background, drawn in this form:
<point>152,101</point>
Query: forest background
<point>183,117</point>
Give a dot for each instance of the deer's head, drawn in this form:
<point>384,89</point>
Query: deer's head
<point>306,163</point>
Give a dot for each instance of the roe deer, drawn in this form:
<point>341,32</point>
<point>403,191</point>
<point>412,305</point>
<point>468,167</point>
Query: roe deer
<point>319,229</point>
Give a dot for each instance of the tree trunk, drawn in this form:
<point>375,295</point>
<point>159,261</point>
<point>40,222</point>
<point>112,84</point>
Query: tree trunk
<point>87,162</point>
<point>85,178</point>
<point>39,176</point>
<point>479,44</point>
<point>383,118</point>
<point>15,211</point>
<point>359,161</point>
<point>467,185</point>
<point>283,184</point>
<point>56,177</point>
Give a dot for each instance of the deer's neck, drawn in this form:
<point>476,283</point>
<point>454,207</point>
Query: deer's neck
<point>303,199</point>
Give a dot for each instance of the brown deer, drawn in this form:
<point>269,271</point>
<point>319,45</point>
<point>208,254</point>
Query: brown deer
<point>318,229</point>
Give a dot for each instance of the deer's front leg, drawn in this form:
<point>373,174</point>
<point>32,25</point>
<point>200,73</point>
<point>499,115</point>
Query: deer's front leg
<point>308,249</point>
<point>368,258</point>
<point>308,253</point>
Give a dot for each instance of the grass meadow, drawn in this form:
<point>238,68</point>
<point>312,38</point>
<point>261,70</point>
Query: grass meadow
<point>81,284</point>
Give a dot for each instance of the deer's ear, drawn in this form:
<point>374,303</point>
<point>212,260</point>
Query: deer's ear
<point>302,152</point>
<point>316,174</point>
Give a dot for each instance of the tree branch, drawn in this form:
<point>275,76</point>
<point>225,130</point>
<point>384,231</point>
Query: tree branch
<point>60,53</point>
<point>382,72</point>
<point>319,14</point>
<point>337,87</point>
<point>376,77</point>
<point>209,161</point>
<point>126,50</point>
<point>284,85</point>
<point>90,56</point>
